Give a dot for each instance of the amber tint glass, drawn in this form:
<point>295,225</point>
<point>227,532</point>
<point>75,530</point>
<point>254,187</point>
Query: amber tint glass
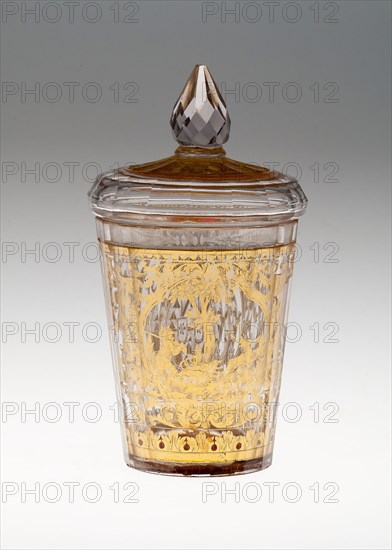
<point>197,256</point>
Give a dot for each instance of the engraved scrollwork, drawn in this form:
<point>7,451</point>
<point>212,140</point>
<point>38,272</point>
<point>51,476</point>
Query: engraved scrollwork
<point>199,341</point>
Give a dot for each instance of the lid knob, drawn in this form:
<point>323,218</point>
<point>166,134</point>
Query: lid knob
<point>200,117</point>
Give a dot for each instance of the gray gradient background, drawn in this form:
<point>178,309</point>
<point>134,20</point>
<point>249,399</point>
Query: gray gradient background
<point>158,53</point>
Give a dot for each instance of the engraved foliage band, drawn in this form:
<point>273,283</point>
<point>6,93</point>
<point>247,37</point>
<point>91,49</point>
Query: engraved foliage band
<point>200,117</point>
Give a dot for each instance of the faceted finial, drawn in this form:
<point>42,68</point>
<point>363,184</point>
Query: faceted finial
<point>200,116</point>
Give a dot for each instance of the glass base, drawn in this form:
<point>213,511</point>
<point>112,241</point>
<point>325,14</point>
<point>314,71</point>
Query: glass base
<point>207,469</point>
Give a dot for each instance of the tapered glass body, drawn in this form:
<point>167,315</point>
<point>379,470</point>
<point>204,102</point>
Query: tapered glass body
<point>196,278</point>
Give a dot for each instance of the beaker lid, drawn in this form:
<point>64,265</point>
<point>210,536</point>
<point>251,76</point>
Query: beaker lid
<point>198,185</point>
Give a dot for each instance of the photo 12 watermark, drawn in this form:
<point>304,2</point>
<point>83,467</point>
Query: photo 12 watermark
<point>71,252</point>
<point>200,412</point>
<point>70,11</point>
<point>69,92</point>
<point>74,171</point>
<point>71,492</point>
<point>291,492</point>
<point>270,12</point>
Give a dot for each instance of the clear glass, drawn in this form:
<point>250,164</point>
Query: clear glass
<point>197,259</point>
